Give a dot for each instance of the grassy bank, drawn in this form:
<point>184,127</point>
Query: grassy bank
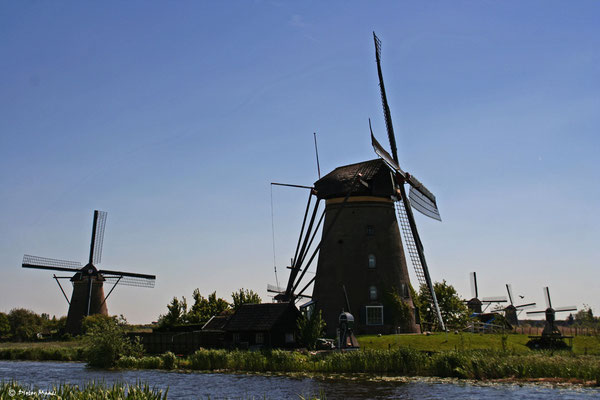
<point>514,343</point>
<point>470,364</point>
<point>42,351</point>
<point>13,390</point>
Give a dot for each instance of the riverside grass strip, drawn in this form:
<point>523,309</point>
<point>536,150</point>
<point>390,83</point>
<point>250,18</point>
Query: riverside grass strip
<point>465,364</point>
<point>92,390</point>
<point>43,354</point>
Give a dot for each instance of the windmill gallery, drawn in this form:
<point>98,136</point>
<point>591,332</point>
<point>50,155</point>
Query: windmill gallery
<point>361,210</point>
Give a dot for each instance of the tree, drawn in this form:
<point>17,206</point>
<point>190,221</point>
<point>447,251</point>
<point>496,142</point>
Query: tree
<point>585,317</point>
<point>310,327</point>
<point>24,324</point>
<point>244,296</point>
<point>4,324</point>
<point>205,308</point>
<point>397,309</point>
<point>454,311</point>
<point>106,341</point>
<point>176,314</point>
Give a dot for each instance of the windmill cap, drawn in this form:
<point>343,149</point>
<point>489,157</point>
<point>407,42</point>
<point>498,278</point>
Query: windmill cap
<point>341,181</point>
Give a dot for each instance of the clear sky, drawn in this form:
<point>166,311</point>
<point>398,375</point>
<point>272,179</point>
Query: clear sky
<point>174,117</point>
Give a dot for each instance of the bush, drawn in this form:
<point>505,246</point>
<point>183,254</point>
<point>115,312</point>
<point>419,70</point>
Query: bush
<point>106,341</point>
<point>310,328</point>
<point>169,360</point>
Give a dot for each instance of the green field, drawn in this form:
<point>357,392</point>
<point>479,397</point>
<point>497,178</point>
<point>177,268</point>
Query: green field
<point>469,341</point>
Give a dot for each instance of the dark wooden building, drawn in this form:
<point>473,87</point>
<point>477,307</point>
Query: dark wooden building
<point>363,252</point>
<point>263,325</point>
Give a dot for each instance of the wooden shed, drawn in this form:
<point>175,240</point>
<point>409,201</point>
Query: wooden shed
<point>263,325</point>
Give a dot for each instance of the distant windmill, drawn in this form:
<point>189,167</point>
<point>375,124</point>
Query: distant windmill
<point>475,304</point>
<point>550,329</point>
<point>88,292</point>
<point>510,312</point>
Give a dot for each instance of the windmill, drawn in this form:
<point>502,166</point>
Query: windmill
<point>360,254</point>
<point>511,311</point>
<point>550,331</point>
<point>88,281</point>
<point>475,304</point>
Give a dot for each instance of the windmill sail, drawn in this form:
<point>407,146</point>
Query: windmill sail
<point>49,263</point>
<point>405,214</point>
<point>97,237</point>
<point>423,204</point>
<point>421,199</point>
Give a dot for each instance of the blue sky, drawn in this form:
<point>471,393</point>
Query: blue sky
<point>175,116</point>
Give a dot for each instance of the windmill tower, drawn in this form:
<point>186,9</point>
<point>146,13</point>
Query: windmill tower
<point>88,281</point>
<point>511,311</point>
<point>361,257</point>
<point>475,304</point>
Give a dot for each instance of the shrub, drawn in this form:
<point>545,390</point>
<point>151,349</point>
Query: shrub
<point>169,360</point>
<point>106,342</point>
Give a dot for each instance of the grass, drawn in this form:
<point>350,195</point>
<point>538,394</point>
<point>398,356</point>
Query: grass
<point>470,341</point>
<point>139,391</point>
<point>42,351</point>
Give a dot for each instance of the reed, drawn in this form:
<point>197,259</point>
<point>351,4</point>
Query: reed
<point>92,390</point>
<point>470,364</point>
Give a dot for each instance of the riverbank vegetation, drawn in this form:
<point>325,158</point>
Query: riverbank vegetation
<point>468,364</point>
<point>139,391</point>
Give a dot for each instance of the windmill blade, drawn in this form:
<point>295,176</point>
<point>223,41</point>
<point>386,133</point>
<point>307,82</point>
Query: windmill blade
<point>97,237</point>
<point>497,299</point>
<point>567,308</point>
<point>525,306</point>
<point>474,293</point>
<point>536,312</point>
<point>547,297</point>
<point>510,293</point>
<point>386,109</point>
<point>275,289</point>
<point>423,204</point>
<point>50,264</point>
<point>385,156</point>
<point>131,281</point>
<point>128,274</point>
<point>417,256</point>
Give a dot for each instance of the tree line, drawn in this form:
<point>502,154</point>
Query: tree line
<point>204,308</point>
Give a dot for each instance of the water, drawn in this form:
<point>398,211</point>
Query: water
<point>248,386</point>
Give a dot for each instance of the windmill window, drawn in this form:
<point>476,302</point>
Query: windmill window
<point>370,230</point>
<point>374,315</point>
<point>236,338</point>
<point>372,261</point>
<point>372,293</point>
<point>260,338</point>
<point>404,290</point>
<point>289,337</point>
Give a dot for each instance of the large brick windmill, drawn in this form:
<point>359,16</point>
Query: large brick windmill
<point>361,258</point>
<point>88,281</point>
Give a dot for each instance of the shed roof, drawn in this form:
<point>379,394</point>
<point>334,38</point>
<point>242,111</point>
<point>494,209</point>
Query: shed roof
<point>216,323</point>
<point>259,317</point>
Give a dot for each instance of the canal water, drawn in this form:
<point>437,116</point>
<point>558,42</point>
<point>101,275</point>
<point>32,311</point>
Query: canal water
<point>196,385</point>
